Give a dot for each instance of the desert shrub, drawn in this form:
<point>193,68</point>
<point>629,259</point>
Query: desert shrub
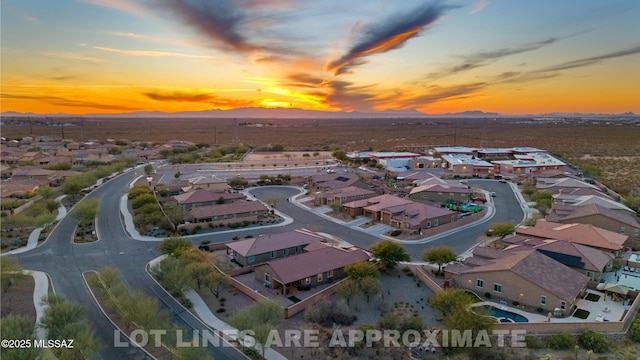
<point>327,313</point>
<point>592,340</point>
<point>561,341</point>
<point>532,342</point>
<point>634,332</point>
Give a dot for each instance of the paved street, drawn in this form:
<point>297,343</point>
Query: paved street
<point>65,261</point>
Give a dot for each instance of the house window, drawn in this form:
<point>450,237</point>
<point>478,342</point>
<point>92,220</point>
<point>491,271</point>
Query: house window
<point>636,232</point>
<point>298,249</point>
<point>274,254</point>
<point>480,283</point>
<point>497,288</point>
<point>330,273</point>
<point>307,281</point>
<point>285,252</point>
<point>251,259</point>
<point>436,222</point>
<point>320,277</point>
<point>622,229</point>
<point>267,278</point>
<point>543,300</point>
<point>590,274</point>
<point>563,305</point>
<point>428,224</point>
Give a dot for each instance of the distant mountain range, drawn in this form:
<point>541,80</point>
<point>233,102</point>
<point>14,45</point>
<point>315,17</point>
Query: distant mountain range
<point>253,112</point>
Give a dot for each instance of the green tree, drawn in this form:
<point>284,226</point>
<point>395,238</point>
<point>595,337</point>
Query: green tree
<point>462,319</point>
<point>138,190</point>
<point>18,327</point>
<point>450,298</point>
<point>148,169</point>
<point>86,211</point>
<point>65,320</point>
<point>369,286</point>
<point>347,289</point>
<point>361,270</point>
<point>46,192</point>
<point>340,155</point>
<point>174,245</point>
<point>176,215</point>
<point>199,272</point>
<point>501,229</point>
<point>259,318</point>
<point>389,253</point>
<point>216,283</point>
<point>52,205</point>
<point>439,255</point>
<point>170,272</point>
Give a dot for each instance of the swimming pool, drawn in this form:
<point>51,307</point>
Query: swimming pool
<point>501,315</point>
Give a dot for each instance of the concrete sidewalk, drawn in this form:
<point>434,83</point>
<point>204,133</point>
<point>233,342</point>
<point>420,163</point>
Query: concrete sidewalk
<point>41,289</point>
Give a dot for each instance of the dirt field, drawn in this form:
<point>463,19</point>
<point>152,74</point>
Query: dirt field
<point>18,300</point>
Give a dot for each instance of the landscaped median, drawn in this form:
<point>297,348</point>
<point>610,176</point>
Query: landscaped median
<point>135,313</point>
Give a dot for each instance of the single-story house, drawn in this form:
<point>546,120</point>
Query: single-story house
<point>268,247</point>
<point>585,234</point>
<point>440,193</point>
<point>202,197</point>
<point>525,277</point>
<point>343,195</point>
<point>601,217</point>
<point>208,182</point>
<point>238,211</point>
<point>372,207</point>
<point>321,264</point>
<point>414,217</point>
<point>327,182</point>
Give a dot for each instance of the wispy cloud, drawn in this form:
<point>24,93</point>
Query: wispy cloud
<point>220,20</point>
<point>347,96</point>
<point>72,56</point>
<point>478,6</point>
<point>556,70</point>
<point>592,60</point>
<point>66,102</point>
<point>406,99</point>
<point>128,6</point>
<point>152,53</point>
<point>194,97</point>
<point>388,35</point>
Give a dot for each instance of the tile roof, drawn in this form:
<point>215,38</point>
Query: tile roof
<point>378,203</point>
<point>595,209</point>
<point>584,234</point>
<point>462,189</point>
<point>592,259</point>
<point>535,268</point>
<point>560,192</point>
<point>416,213</point>
<point>238,207</point>
<point>297,267</point>
<point>267,243</point>
<point>543,183</point>
<point>203,195</point>
<point>206,180</point>
<point>347,191</point>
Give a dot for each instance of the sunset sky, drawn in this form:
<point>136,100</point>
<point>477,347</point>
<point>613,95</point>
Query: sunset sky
<point>507,56</point>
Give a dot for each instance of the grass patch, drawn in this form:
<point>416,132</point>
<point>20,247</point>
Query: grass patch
<point>581,314</point>
<point>294,299</point>
<point>592,297</point>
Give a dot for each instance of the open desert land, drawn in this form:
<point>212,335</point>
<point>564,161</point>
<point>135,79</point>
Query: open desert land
<point>611,149</point>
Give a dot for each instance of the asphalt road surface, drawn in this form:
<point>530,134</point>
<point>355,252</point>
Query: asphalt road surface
<point>65,261</point>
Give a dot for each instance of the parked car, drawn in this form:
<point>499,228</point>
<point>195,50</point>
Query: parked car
<point>479,199</point>
<point>493,194</point>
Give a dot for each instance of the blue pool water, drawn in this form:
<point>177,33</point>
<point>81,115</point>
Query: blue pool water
<point>502,315</point>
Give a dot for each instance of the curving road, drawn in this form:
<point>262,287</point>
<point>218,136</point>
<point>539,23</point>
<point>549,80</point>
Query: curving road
<point>65,261</point>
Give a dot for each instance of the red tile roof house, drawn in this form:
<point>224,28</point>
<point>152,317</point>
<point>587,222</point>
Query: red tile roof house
<point>202,197</point>
<point>321,264</point>
<point>587,260</point>
<point>584,234</point>
<point>440,193</point>
<point>372,207</point>
<point>328,182</point>
<point>601,217</point>
<point>268,247</point>
<point>209,182</point>
<point>237,212</point>
<point>344,195</point>
<point>414,217</point>
<point>526,277</point>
